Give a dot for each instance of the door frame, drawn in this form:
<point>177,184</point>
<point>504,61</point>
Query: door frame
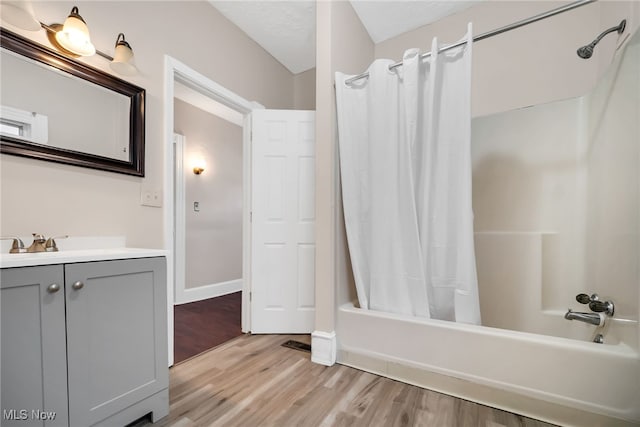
<point>175,70</point>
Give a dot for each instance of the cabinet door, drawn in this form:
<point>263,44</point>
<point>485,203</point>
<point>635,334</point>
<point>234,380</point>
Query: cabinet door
<point>116,335</point>
<point>33,359</point>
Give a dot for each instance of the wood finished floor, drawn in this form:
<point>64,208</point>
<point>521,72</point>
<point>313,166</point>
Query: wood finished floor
<point>253,381</point>
<point>201,325</point>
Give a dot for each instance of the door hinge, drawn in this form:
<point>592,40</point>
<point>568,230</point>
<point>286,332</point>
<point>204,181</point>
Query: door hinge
<point>251,216</point>
<point>250,296</point>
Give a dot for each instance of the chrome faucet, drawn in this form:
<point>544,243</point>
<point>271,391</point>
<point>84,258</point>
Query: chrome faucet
<point>591,318</point>
<point>596,304</point>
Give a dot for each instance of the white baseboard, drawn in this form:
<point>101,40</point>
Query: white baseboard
<point>323,347</point>
<point>208,291</point>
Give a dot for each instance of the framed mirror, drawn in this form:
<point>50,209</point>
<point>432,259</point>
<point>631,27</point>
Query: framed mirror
<point>54,108</point>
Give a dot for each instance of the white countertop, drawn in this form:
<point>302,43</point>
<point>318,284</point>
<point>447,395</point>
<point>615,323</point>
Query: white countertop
<point>71,256</point>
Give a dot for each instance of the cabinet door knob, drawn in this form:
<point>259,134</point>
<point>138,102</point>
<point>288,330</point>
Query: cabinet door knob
<point>53,288</point>
<point>77,285</point>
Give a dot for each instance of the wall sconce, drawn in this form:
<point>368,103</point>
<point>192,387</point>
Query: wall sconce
<point>199,165</point>
<point>72,38</point>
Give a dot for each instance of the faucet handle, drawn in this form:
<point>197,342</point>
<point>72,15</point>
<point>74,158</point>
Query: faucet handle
<point>602,306</point>
<point>18,245</point>
<point>584,298</point>
<point>50,245</point>
<point>595,304</point>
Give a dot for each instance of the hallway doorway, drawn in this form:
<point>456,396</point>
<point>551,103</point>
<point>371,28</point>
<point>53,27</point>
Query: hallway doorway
<point>179,77</point>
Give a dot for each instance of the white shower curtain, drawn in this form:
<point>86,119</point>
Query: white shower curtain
<point>405,163</point>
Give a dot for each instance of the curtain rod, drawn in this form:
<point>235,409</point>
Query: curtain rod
<point>491,33</point>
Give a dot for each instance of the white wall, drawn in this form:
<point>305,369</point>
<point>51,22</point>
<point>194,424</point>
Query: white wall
<point>48,198</point>
<point>214,233</point>
<point>533,64</point>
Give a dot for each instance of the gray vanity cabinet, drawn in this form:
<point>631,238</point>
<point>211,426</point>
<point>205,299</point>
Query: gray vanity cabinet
<point>33,363</point>
<point>116,338</point>
<point>104,341</point>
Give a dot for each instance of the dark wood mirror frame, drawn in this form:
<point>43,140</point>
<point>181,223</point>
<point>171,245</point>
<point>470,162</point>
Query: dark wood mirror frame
<point>37,52</point>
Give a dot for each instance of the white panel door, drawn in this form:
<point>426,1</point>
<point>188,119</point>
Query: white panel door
<point>283,222</point>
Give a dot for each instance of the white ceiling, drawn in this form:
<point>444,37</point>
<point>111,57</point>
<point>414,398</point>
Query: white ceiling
<point>386,19</point>
<point>287,29</point>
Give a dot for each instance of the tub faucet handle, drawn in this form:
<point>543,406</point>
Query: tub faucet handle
<point>584,298</point>
<point>595,304</point>
<point>50,245</point>
<point>598,306</point>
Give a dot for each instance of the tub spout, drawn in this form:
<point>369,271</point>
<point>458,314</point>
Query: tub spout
<point>591,318</point>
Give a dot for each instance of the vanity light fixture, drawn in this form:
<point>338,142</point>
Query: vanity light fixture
<point>123,57</point>
<point>72,38</point>
<point>74,35</point>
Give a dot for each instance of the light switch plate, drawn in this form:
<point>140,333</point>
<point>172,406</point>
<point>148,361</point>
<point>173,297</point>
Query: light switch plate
<point>151,198</point>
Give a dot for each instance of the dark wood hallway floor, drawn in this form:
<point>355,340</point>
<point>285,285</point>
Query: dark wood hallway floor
<point>202,325</point>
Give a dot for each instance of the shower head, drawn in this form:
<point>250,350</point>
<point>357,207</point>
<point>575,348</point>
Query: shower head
<point>585,52</point>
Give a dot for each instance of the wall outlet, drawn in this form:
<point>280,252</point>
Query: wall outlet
<point>151,198</point>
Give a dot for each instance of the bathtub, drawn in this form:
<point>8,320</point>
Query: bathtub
<point>558,380</point>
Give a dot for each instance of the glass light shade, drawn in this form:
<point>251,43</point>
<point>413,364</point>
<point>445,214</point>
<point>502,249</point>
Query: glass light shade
<point>19,14</point>
<point>123,58</point>
<point>74,35</point>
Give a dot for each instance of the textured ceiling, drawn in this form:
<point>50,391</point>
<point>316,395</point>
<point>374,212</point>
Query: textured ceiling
<point>287,29</point>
